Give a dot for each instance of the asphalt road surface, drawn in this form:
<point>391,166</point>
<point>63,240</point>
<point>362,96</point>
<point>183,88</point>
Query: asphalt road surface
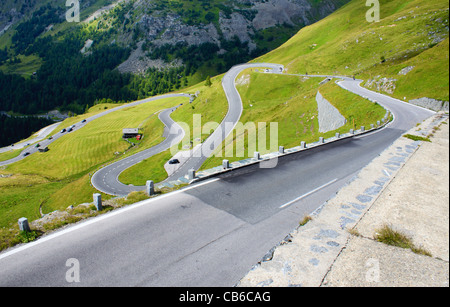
<point>210,233</point>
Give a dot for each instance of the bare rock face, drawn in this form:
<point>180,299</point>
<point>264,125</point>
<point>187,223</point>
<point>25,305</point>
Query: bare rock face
<point>382,84</point>
<point>277,12</point>
<point>237,25</point>
<point>406,70</point>
<point>138,63</point>
<point>171,30</point>
<point>241,22</point>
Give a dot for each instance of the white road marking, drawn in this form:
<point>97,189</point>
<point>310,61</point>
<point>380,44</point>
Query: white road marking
<point>307,194</point>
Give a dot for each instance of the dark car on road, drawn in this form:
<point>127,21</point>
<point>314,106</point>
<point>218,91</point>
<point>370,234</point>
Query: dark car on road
<point>174,161</point>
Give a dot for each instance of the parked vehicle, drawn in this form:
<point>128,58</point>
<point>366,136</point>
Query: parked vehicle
<point>174,161</point>
<point>64,130</point>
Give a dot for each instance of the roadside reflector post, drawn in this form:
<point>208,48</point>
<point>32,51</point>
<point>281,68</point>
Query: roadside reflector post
<point>257,155</point>
<point>363,128</point>
<point>23,224</point>
<point>281,149</point>
<point>226,164</point>
<point>191,174</point>
<point>352,131</point>
<point>338,135</point>
<point>321,140</point>
<point>303,145</point>
<point>150,187</point>
<point>98,201</point>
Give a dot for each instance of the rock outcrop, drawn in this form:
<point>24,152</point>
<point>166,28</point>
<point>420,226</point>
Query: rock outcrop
<point>329,117</point>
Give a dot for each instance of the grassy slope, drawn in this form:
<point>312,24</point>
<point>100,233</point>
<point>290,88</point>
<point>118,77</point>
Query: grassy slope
<point>9,154</point>
<point>429,78</point>
<point>345,43</point>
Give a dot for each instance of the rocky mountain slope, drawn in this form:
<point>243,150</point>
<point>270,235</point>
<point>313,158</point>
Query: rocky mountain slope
<point>260,25</point>
<point>192,22</point>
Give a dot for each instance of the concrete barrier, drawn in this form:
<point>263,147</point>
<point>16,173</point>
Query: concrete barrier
<point>150,187</point>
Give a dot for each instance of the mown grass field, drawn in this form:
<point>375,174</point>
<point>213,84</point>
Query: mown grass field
<point>61,177</point>
<point>99,142</point>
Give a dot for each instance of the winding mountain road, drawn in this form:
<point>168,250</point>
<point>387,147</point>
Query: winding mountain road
<point>107,178</point>
<point>209,233</point>
<point>107,181</point>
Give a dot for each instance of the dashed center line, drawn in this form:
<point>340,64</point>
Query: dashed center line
<point>309,193</point>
